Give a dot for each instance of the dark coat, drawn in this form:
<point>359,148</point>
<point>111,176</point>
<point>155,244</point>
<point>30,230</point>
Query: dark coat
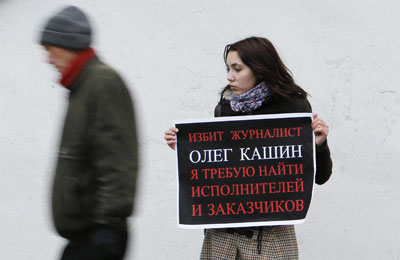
<point>94,182</point>
<point>278,105</point>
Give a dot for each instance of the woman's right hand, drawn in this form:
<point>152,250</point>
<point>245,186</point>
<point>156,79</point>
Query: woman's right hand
<point>170,137</point>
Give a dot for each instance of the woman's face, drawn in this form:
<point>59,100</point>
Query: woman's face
<point>241,78</point>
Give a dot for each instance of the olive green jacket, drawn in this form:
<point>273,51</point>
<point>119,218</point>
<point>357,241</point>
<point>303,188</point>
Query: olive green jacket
<point>95,178</point>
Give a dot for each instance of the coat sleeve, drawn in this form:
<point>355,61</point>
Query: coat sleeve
<point>324,164</point>
<point>114,152</point>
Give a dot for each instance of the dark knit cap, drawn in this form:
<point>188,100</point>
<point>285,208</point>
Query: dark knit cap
<point>69,29</point>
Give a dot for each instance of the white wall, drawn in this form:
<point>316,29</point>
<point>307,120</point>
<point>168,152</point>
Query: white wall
<point>345,53</point>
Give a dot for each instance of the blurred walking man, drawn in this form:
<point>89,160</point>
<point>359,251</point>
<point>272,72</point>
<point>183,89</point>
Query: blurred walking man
<point>94,181</point>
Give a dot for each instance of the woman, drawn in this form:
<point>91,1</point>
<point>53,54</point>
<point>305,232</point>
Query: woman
<point>259,83</point>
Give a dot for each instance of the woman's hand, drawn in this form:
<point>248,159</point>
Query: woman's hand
<point>320,129</point>
<point>170,137</point>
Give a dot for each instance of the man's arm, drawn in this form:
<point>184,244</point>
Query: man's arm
<point>114,152</point>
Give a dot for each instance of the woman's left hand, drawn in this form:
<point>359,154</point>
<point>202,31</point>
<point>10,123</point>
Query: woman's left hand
<point>320,129</point>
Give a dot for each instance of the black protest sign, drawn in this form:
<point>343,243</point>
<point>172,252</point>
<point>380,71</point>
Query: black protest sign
<point>245,171</point>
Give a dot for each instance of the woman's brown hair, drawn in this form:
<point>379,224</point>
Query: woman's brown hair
<point>262,58</point>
